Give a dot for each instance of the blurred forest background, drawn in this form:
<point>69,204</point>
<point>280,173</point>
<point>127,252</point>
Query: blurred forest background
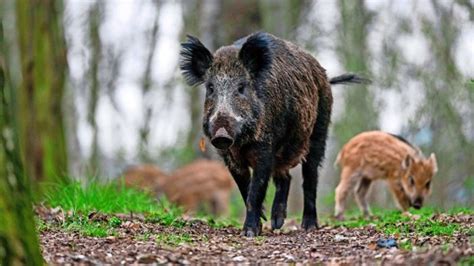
<point>95,86</point>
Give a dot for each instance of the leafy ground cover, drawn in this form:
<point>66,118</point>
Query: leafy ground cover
<point>113,224</point>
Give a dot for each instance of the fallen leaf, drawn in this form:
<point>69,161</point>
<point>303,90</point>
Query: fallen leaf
<point>202,144</point>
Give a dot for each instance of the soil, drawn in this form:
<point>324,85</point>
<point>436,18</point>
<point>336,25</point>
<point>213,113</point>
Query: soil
<point>204,244</point>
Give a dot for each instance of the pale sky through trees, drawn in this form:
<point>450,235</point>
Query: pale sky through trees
<point>126,26</point>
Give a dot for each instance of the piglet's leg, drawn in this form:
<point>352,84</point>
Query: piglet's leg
<point>361,192</point>
<point>257,190</point>
<point>348,180</point>
<point>399,195</point>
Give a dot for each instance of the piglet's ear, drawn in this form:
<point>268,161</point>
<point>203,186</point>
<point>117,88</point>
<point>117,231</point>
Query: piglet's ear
<point>433,162</point>
<point>407,162</point>
<point>195,59</point>
<point>256,53</point>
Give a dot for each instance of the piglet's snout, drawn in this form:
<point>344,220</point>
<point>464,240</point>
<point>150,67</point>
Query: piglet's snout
<point>418,203</point>
<point>222,140</point>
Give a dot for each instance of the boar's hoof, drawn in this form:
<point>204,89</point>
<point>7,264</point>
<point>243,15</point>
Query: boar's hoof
<point>309,224</point>
<point>252,231</point>
<point>222,140</point>
<point>277,222</point>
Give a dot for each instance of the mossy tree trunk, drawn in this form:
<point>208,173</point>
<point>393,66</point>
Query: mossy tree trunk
<point>360,111</point>
<point>18,238</point>
<point>95,18</point>
<point>43,67</point>
<point>442,112</point>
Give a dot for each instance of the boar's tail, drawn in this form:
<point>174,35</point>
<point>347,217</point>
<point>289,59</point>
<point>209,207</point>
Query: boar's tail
<point>349,78</point>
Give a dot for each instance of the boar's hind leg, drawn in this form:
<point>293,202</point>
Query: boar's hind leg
<point>315,158</point>
<point>310,185</point>
<point>282,184</point>
<point>310,179</point>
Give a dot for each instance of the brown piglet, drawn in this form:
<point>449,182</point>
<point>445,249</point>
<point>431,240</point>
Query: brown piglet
<point>374,155</point>
<point>202,182</point>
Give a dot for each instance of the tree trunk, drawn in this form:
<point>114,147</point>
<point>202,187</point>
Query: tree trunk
<point>43,66</point>
<point>18,239</point>
<point>95,46</point>
<point>204,25</point>
<point>282,17</point>
<point>441,112</point>
<point>360,113</point>
<point>147,82</point>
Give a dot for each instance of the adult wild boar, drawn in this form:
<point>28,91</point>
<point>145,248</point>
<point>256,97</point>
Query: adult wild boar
<point>374,155</point>
<point>267,107</point>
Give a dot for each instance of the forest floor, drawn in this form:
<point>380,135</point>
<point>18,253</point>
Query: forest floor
<point>96,238</point>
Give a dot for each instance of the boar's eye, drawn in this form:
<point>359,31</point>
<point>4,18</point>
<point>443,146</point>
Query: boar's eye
<point>412,181</point>
<point>428,184</point>
<point>242,88</point>
<point>210,88</point>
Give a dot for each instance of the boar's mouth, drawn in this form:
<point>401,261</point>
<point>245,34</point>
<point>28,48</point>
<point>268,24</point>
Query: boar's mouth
<point>222,140</point>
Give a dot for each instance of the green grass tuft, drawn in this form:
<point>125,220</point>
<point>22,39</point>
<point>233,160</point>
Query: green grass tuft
<point>112,198</point>
<point>115,222</point>
<point>173,239</point>
<point>107,198</point>
<point>395,223</point>
<point>143,237</point>
<point>84,226</point>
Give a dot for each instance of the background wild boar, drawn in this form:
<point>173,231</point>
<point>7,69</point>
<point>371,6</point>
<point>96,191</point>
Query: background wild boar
<point>378,155</point>
<point>146,177</point>
<point>268,107</point>
<point>202,183</point>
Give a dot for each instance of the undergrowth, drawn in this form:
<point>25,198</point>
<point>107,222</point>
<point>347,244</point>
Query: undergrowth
<point>423,222</point>
<point>113,197</point>
<point>79,201</point>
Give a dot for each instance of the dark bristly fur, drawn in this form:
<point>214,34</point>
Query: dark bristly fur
<point>268,107</point>
<point>402,139</point>
<point>348,79</point>
<point>407,142</point>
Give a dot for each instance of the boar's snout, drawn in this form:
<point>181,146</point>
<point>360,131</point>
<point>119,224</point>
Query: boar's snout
<point>418,203</point>
<point>222,140</point>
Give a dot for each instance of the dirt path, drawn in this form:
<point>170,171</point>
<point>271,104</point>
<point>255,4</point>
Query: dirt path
<point>140,242</point>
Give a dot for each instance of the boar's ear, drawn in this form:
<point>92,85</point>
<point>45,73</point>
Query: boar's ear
<point>255,53</point>
<point>433,162</point>
<point>195,60</point>
<point>407,162</point>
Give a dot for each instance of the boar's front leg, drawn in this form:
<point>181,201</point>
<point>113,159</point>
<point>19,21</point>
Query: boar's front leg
<point>241,177</point>
<point>257,190</point>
